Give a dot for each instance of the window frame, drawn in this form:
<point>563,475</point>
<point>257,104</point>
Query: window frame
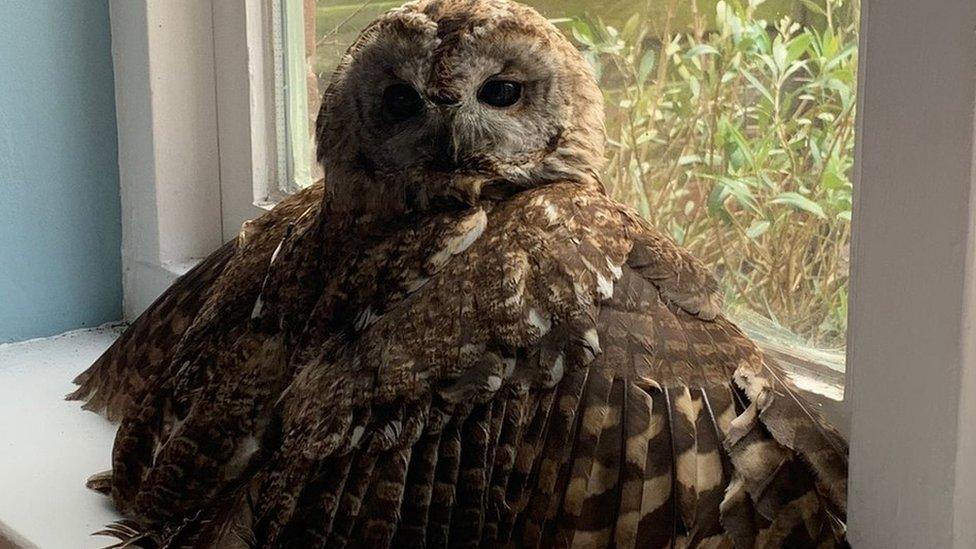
<point>196,100</point>
<point>199,150</point>
<point>911,376</point>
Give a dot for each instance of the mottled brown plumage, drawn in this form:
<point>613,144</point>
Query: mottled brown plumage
<point>494,354</point>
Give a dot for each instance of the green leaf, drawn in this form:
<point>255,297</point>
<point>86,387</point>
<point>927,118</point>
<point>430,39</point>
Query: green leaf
<point>723,14</point>
<point>739,190</point>
<point>814,7</point>
<point>757,229</point>
<point>849,51</point>
<point>643,138</point>
<point>594,59</point>
<point>701,49</point>
<point>678,234</point>
<point>583,33</point>
<point>798,46</point>
<point>695,86</point>
<point>646,66</point>
<point>846,216</point>
<point>792,68</point>
<point>780,54</point>
<point>832,180</point>
<point>757,85</point>
<point>742,145</point>
<point>799,202</point>
<point>716,204</point>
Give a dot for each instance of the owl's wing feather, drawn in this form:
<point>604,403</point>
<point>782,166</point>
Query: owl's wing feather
<point>212,362</point>
<point>794,424</point>
<point>200,299</point>
<point>114,383</point>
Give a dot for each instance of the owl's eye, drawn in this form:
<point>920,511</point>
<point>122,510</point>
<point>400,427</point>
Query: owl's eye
<point>401,101</point>
<point>500,93</point>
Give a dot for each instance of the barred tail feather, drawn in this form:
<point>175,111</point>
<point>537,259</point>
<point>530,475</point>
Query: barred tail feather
<point>445,485</point>
<point>418,492</point>
<point>597,515</point>
<point>556,454</point>
<point>796,425</point>
<point>658,526</point>
<point>468,516</point>
<point>583,472</point>
<point>790,498</point>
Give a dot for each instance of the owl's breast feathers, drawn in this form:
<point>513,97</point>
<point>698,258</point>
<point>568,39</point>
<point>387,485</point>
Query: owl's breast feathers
<point>548,370</point>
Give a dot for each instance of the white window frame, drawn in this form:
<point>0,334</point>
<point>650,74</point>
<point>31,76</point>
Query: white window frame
<point>912,337</point>
<point>198,143</point>
<point>199,152</point>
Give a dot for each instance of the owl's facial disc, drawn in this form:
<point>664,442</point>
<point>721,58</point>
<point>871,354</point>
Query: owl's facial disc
<point>441,100</point>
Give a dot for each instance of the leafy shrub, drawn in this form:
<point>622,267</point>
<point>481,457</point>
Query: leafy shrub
<point>736,137</point>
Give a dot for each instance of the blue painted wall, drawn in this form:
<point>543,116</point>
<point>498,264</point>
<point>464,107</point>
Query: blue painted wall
<point>60,224</point>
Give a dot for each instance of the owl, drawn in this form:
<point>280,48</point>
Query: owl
<point>458,339</point>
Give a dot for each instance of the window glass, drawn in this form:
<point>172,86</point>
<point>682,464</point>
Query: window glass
<point>730,127</point>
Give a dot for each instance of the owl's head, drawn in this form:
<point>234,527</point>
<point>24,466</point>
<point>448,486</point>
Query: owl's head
<point>449,101</point>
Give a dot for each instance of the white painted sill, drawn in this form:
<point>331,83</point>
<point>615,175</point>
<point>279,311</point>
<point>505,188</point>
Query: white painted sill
<point>49,446</point>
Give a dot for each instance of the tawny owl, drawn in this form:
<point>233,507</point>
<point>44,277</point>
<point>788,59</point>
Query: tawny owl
<point>458,340</point>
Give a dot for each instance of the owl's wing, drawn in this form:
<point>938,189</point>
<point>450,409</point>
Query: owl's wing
<point>565,379</point>
<point>683,437</point>
<point>205,418</point>
<point>116,379</point>
<point>568,381</point>
<point>217,291</point>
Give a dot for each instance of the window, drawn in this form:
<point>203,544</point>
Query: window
<point>730,126</point>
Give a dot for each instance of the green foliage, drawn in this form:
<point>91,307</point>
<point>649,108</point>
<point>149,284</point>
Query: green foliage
<point>736,137</point>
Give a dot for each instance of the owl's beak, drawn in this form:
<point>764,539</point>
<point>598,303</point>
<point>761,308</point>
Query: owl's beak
<point>444,154</point>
